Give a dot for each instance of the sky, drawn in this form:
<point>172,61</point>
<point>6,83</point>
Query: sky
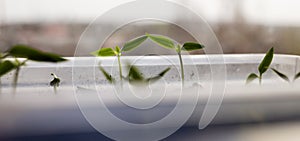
<point>270,12</point>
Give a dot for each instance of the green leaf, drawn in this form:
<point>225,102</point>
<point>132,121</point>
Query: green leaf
<point>251,77</point>
<point>162,41</point>
<point>134,43</point>
<point>160,75</point>
<point>105,52</point>
<point>24,51</point>
<point>134,74</point>
<point>264,65</point>
<point>281,75</point>
<point>297,76</point>
<point>190,46</point>
<point>6,66</point>
<point>107,75</point>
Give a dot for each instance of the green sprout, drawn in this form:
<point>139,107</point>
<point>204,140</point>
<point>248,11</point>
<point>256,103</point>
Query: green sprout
<point>134,75</point>
<point>168,43</point>
<point>281,75</point>
<point>297,76</point>
<point>129,46</point>
<point>284,77</point>
<point>107,75</point>
<point>262,68</point>
<point>26,52</point>
<point>55,82</point>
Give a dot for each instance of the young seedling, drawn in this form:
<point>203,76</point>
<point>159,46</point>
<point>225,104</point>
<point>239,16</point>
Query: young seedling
<point>297,76</point>
<point>28,53</point>
<point>281,75</point>
<point>262,68</point>
<point>134,75</point>
<point>55,82</point>
<point>129,46</point>
<point>108,77</point>
<point>168,43</point>
<point>284,77</point>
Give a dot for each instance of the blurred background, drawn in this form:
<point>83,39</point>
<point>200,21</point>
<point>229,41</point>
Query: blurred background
<point>241,26</point>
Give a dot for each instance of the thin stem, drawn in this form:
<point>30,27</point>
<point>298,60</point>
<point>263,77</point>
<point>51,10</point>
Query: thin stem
<point>16,75</point>
<point>0,86</point>
<point>0,77</point>
<point>55,89</point>
<point>15,81</point>
<point>260,79</point>
<point>120,67</point>
<point>181,68</point>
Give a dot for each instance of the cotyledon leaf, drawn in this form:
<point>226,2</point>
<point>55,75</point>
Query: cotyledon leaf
<point>162,41</point>
<point>29,53</point>
<point>264,65</point>
<point>297,76</point>
<point>134,43</point>
<point>281,75</point>
<point>190,46</point>
<point>104,52</point>
<point>251,77</point>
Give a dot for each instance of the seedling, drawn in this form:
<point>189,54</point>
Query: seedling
<point>129,46</point>
<point>108,77</point>
<point>134,75</point>
<point>55,82</point>
<point>167,43</point>
<point>284,77</point>
<point>281,75</point>
<point>297,76</point>
<point>262,68</point>
<point>28,53</point>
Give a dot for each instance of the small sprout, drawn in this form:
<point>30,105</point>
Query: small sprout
<point>284,77</point>
<point>129,46</point>
<point>263,67</point>
<point>281,75</point>
<point>160,75</point>
<point>169,44</point>
<point>28,53</point>
<point>134,75</point>
<point>297,76</point>
<point>107,75</point>
<point>55,82</point>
